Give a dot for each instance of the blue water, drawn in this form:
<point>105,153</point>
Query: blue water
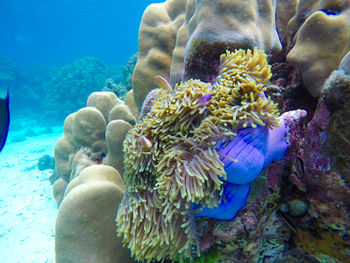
<point>57,32</point>
<point>41,41</point>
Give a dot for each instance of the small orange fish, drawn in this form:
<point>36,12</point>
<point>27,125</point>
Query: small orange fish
<point>4,115</point>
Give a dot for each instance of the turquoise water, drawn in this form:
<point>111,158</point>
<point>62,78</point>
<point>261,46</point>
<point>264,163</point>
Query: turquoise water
<point>57,32</point>
<point>27,207</point>
<point>49,51</point>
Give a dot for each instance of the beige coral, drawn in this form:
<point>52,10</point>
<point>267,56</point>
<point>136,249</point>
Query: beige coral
<point>130,102</point>
<point>157,34</point>
<point>58,189</point>
<point>115,154</point>
<point>103,101</point>
<point>228,24</point>
<point>85,228</point>
<point>122,112</point>
<point>345,63</point>
<point>321,40</point>
<point>183,39</point>
<point>285,10</point>
<point>84,141</point>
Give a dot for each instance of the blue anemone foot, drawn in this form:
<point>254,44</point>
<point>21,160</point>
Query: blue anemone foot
<point>248,148</point>
<point>235,198</point>
<point>253,149</point>
<point>244,158</point>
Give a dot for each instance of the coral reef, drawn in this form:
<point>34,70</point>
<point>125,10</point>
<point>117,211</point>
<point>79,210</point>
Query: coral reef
<point>121,85</point>
<point>157,35</point>
<point>199,31</point>
<point>73,83</point>
<point>217,26</point>
<point>52,93</point>
<point>79,79</point>
<point>90,135</point>
<point>211,256</point>
<point>324,184</point>
<point>298,210</point>
<point>183,164</point>
<point>26,84</point>
<point>46,162</point>
<point>130,102</point>
<point>179,155</point>
<point>285,10</point>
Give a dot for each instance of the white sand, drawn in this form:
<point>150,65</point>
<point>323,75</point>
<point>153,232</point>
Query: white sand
<point>27,208</point>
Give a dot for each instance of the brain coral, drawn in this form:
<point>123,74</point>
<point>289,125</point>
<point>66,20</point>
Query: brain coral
<point>173,166</point>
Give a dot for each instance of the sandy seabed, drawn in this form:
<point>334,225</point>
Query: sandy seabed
<point>27,207</point>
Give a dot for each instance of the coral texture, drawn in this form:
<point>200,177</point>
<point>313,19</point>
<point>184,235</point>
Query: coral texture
<point>325,184</point>
<point>159,26</point>
<point>89,161</point>
<point>298,211</point>
<point>85,226</point>
<point>197,32</point>
<point>46,162</point>
<point>298,208</point>
<point>172,160</point>
<point>184,39</point>
<point>121,84</point>
<point>310,31</point>
<point>92,135</point>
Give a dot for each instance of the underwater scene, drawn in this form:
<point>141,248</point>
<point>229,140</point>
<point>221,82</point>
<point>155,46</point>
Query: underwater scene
<point>183,131</point>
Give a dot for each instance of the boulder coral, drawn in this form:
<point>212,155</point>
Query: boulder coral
<point>179,161</point>
<point>89,161</point>
<point>184,39</point>
<point>89,133</point>
<point>85,229</point>
<point>157,34</point>
<point>319,33</point>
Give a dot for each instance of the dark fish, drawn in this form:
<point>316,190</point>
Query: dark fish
<point>4,115</point>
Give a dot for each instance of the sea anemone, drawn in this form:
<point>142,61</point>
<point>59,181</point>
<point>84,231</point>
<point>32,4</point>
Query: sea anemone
<point>194,153</point>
